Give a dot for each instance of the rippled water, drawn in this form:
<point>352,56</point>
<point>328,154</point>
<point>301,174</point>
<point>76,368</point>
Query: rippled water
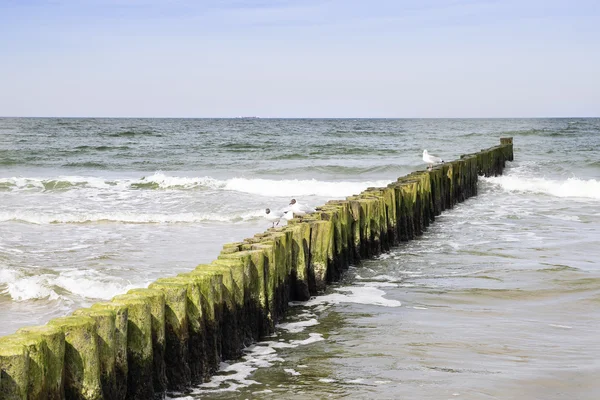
<point>498,299</point>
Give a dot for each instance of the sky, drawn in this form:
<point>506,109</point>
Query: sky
<point>300,58</point>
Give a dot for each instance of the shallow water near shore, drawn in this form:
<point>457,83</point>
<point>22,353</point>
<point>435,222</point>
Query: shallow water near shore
<point>498,299</point>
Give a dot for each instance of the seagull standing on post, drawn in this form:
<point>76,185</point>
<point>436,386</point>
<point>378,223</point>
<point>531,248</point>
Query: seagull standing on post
<point>430,160</point>
<point>273,217</point>
<point>300,209</point>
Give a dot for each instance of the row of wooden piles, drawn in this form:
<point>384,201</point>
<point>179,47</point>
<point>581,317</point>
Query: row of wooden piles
<point>174,333</point>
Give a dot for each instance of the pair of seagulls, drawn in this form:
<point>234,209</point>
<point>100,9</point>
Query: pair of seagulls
<point>294,209</point>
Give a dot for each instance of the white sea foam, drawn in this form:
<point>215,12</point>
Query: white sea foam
<point>354,294</point>
<point>380,278</point>
<point>258,186</point>
<point>91,285</point>
<point>292,371</point>
<point>87,284</point>
<point>326,380</point>
<point>22,287</point>
<point>42,218</point>
<point>571,187</point>
<point>232,377</point>
<point>295,327</point>
<point>296,187</point>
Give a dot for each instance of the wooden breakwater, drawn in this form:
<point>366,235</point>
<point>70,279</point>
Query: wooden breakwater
<point>174,333</point>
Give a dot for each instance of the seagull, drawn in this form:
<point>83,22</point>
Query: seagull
<point>300,209</point>
<point>429,159</point>
<point>273,217</point>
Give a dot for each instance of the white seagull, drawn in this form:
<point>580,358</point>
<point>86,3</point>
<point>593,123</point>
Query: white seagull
<point>430,160</point>
<point>288,215</point>
<point>273,217</point>
<point>300,209</point>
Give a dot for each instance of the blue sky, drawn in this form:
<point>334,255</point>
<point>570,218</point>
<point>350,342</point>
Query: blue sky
<point>292,58</point>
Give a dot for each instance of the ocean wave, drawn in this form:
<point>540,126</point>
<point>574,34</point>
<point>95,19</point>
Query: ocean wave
<point>100,148</point>
<point>161,181</point>
<point>571,187</point>
<point>20,286</point>
<point>134,132</point>
<point>123,217</point>
<point>86,164</point>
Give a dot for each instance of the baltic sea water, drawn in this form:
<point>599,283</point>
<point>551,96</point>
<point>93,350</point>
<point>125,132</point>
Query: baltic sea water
<point>498,299</point>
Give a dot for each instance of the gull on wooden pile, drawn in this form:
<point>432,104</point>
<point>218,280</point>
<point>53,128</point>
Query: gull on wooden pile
<point>431,159</point>
<point>273,216</point>
<point>300,209</point>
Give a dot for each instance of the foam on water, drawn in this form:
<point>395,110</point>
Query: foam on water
<point>159,180</point>
<point>21,287</point>
<point>232,377</point>
<point>353,294</point>
<point>294,327</point>
<point>86,284</point>
<point>120,217</point>
<point>571,187</point>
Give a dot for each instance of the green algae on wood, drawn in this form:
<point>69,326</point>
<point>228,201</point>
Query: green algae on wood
<point>176,333</point>
<point>211,291</point>
<point>321,247</point>
<point>195,326</point>
<point>156,300</point>
<point>231,337</point>
<point>14,370</point>
<point>53,365</point>
<point>120,345</point>
<point>82,362</point>
<point>106,332</point>
<point>141,382</point>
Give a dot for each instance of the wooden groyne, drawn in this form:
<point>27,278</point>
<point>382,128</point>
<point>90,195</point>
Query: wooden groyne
<point>174,333</point>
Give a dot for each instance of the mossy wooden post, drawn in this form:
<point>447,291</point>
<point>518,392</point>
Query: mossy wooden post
<point>196,333</point>
<point>407,206</point>
<point>267,247</point>
<point>120,345</point>
<point>389,197</point>
<point>358,220</point>
<point>211,292</point>
<point>438,191</point>
<point>470,175</point>
<point>14,370</point>
<point>344,215</point>
<point>38,353</point>
<point>282,263</point>
<point>176,333</point>
<point>231,345</point>
<point>255,306</point>
<point>204,356</point>
<point>105,336</point>
<point>507,144</point>
<point>239,288</point>
<point>331,213</point>
<point>53,360</point>
<point>321,252</point>
<point>365,228</point>
<point>36,371</point>
<point>82,362</point>
<point>278,268</point>
<point>453,183</point>
<point>300,247</point>
<point>140,358</point>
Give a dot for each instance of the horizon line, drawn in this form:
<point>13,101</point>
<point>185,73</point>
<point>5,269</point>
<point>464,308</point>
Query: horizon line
<point>266,118</point>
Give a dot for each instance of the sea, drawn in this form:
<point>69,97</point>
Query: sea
<point>498,299</point>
